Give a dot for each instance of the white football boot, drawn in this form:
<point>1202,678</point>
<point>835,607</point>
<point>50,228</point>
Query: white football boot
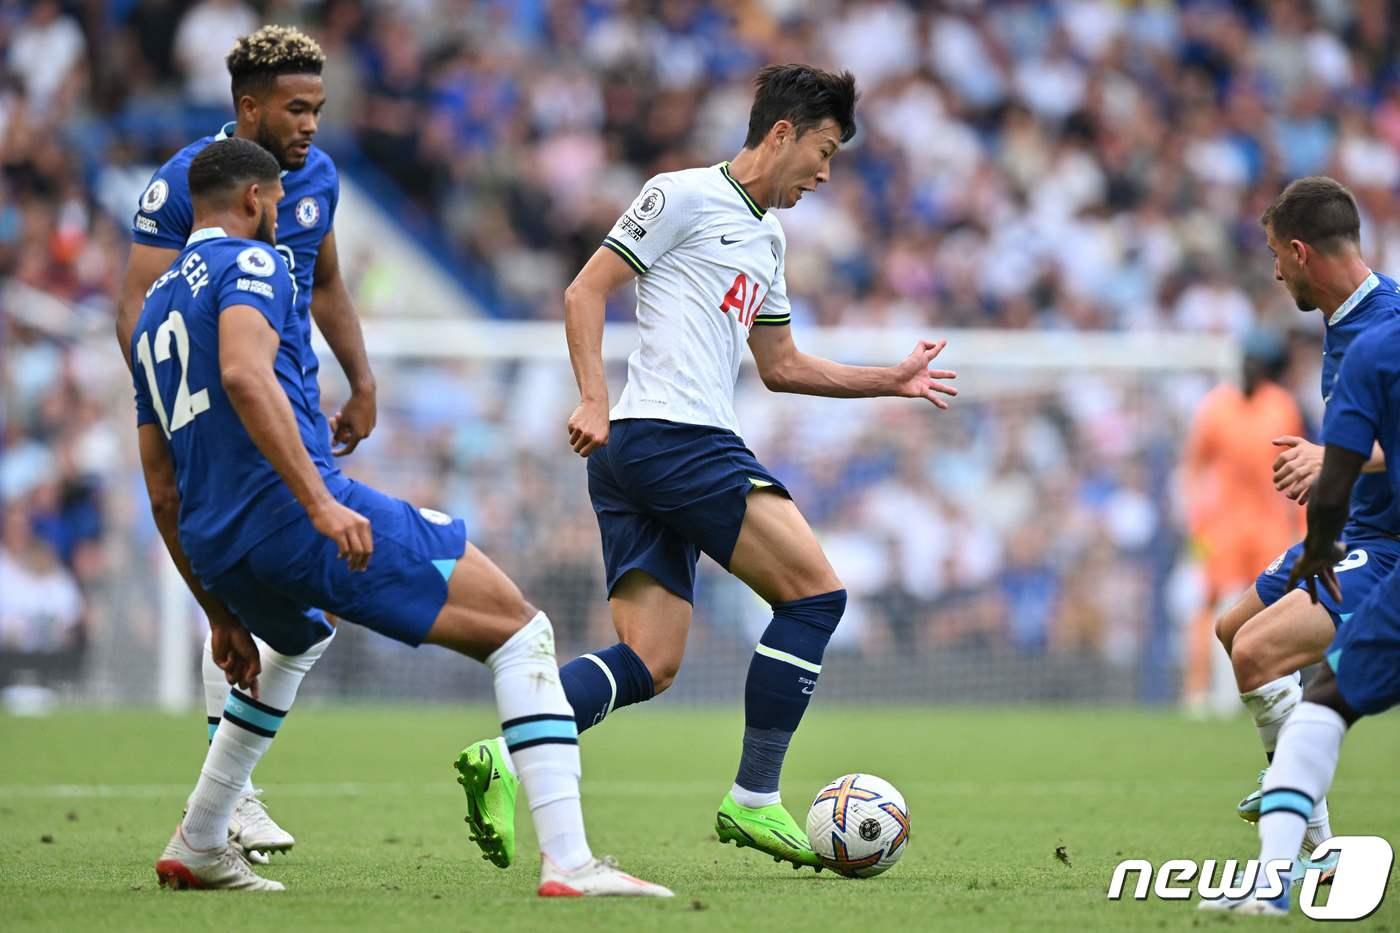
<point>255,831</point>
<point>225,869</point>
<point>1248,906</point>
<point>601,877</point>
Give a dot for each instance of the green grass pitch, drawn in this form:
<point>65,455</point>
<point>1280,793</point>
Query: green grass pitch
<point>87,800</point>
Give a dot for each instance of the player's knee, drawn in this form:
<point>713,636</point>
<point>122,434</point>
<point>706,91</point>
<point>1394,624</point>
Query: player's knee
<point>1225,629</point>
<point>663,674</point>
<point>1253,665</point>
<point>662,661</point>
<point>821,581</point>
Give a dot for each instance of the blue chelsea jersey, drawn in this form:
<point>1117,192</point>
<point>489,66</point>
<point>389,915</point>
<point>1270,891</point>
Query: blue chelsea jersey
<point>310,194</point>
<point>1374,303</point>
<point>1365,405</point>
<point>231,498</point>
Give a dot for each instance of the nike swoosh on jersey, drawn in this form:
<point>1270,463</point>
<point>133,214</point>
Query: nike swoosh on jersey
<point>725,242</point>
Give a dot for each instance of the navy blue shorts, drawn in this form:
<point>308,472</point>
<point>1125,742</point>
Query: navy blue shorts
<point>279,589</point>
<point>664,492</point>
<point>1370,558</point>
<point>1365,655</point>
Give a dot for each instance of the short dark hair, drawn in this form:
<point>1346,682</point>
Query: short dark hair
<point>804,96</point>
<point>226,164</point>
<point>1318,210</point>
<point>257,59</point>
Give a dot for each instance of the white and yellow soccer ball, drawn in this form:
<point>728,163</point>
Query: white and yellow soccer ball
<point>859,825</point>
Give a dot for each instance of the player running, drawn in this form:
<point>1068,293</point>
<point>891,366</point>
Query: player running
<point>227,440</point>
<point>278,96</point>
<point>1362,673</point>
<point>1275,630</point>
<point>669,475</point>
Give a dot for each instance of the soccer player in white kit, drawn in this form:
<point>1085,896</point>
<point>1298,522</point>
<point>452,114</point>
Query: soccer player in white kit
<point>668,474</point>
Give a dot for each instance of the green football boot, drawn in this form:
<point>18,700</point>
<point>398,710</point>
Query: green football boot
<point>491,790</point>
<point>769,829</point>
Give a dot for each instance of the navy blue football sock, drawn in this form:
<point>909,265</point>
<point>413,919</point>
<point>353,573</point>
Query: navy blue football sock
<point>598,683</point>
<point>782,677</point>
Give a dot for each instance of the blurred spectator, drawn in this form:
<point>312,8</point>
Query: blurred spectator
<point>205,36</point>
<point>1065,165</point>
<point>47,53</point>
<point>41,609</point>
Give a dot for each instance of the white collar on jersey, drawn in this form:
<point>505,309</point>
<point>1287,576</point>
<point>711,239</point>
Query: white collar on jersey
<point>1362,290</point>
<point>227,131</point>
<point>205,233</point>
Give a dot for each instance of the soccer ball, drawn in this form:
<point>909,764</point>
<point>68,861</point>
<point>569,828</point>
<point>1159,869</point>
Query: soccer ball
<point>859,825</point>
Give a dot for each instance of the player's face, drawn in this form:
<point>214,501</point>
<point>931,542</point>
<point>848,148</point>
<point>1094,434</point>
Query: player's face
<point>269,194</point>
<point>287,118</point>
<point>804,162</point>
<point>1289,269</point>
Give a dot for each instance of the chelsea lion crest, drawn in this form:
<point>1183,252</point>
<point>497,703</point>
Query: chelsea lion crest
<point>308,212</point>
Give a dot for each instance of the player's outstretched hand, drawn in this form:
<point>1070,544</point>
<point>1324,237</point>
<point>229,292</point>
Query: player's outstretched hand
<point>1296,467</point>
<point>913,378</point>
<point>235,653</point>
<point>1313,567</point>
<point>353,423</point>
<point>588,427</point>
<point>347,528</point>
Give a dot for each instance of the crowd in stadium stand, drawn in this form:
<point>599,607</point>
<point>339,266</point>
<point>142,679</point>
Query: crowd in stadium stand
<point>1061,165</point>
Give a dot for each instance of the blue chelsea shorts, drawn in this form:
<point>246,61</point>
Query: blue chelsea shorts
<point>1371,556</point>
<point>1365,655</point>
<point>279,589</point>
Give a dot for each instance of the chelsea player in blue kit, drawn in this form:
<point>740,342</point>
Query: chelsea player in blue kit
<point>278,95</point>
<point>265,529</point>
<point>1313,229</point>
<point>1361,676</point>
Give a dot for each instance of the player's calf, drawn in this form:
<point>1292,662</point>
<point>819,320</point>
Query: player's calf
<point>539,738</point>
<point>652,623</point>
<point>245,733</point>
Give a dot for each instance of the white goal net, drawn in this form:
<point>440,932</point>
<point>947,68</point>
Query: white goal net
<point>1025,546</point>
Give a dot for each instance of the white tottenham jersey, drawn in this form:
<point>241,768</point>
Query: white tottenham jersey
<point>710,267</point>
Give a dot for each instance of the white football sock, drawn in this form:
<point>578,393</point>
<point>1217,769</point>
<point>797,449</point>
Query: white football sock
<point>244,735</point>
<point>1270,706</point>
<point>216,693</point>
<point>1304,764</point>
<point>1319,828</point>
<point>753,799</point>
<point>539,730</point>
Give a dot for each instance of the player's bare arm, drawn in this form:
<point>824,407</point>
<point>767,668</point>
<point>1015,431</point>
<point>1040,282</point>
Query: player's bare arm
<point>234,650</point>
<point>1297,466</point>
<point>585,301</point>
<point>247,351</point>
<point>146,264</point>
<point>1327,516</point>
<point>335,315</point>
<point>785,368</point>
